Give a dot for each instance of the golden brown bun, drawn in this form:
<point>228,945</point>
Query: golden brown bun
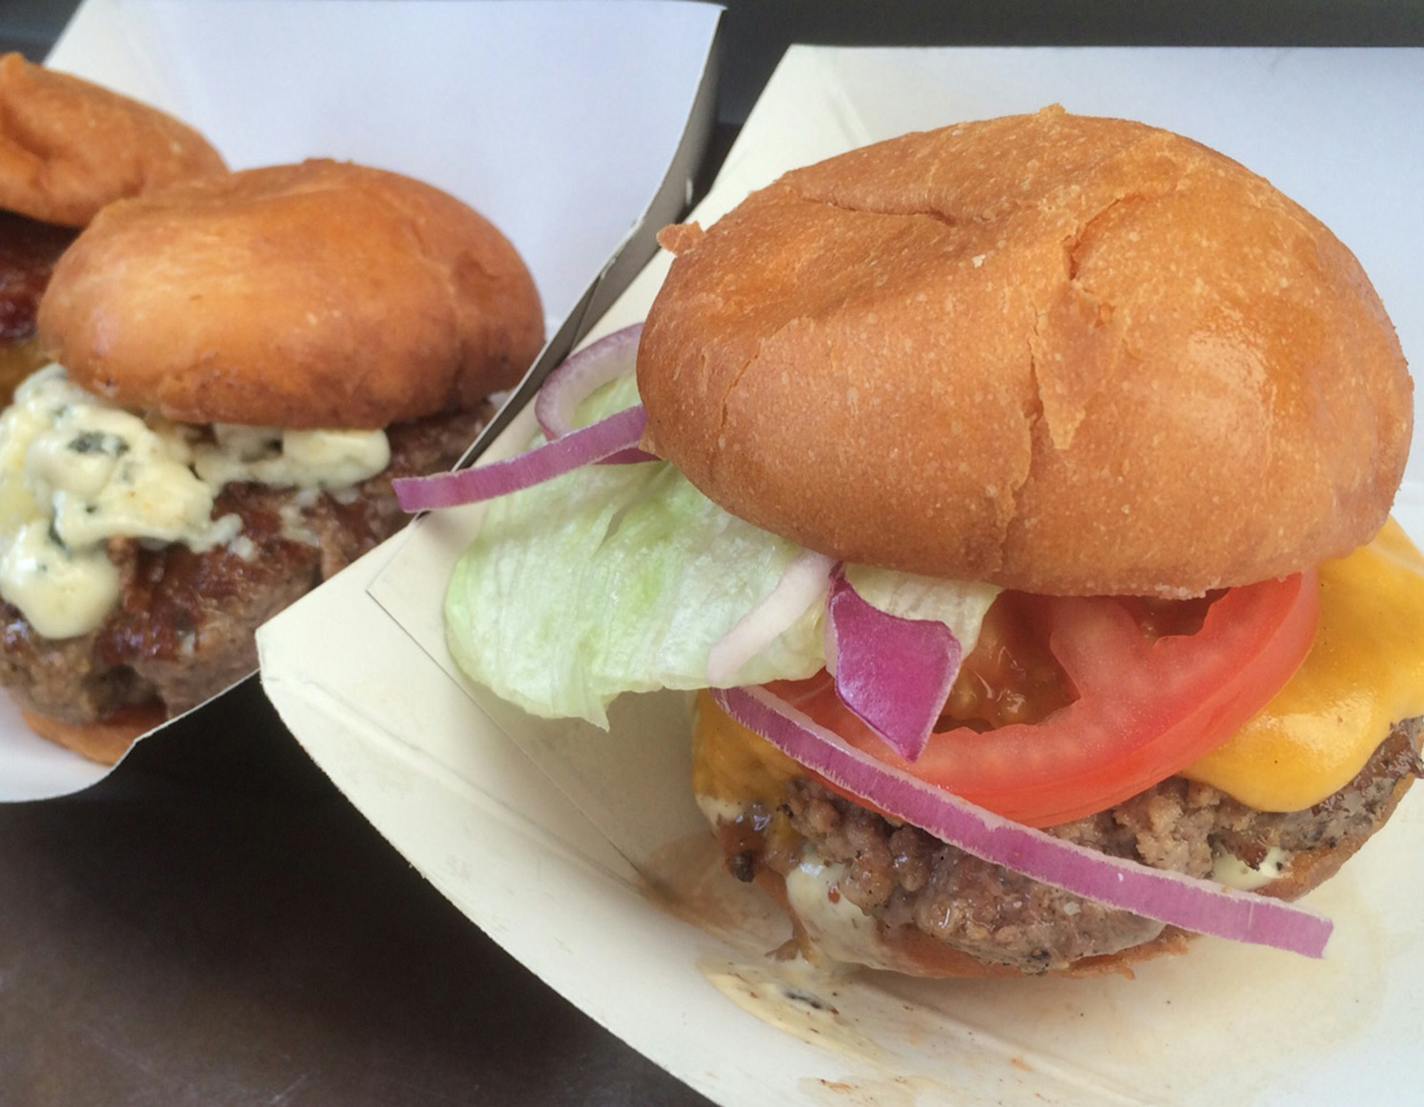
<point>917,954</point>
<point>104,742</point>
<point>68,147</point>
<point>316,295</point>
<point>1063,354</point>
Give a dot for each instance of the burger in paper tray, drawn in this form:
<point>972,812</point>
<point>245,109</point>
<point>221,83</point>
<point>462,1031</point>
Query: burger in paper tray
<point>1015,496</point>
<point>242,363</point>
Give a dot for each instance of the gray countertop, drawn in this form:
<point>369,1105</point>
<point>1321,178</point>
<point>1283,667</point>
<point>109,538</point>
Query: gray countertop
<point>216,925</point>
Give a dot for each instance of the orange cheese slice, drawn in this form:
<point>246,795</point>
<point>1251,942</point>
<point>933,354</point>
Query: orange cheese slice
<point>1364,673</point>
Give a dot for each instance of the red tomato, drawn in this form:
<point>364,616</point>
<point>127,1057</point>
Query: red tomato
<point>1144,709</point>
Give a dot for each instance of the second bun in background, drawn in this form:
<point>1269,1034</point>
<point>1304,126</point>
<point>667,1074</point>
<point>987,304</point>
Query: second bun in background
<point>323,294</point>
<point>68,148</point>
<point>244,364</point>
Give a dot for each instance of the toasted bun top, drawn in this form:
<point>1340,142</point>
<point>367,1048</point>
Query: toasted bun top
<point>68,147</point>
<point>1063,354</point>
<point>316,295</point>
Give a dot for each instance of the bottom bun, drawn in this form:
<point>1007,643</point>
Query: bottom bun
<point>913,953</point>
<point>104,742</point>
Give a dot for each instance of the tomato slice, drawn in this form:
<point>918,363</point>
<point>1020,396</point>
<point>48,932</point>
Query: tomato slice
<point>1144,708</point>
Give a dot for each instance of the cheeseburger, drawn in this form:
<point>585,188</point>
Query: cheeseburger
<point>67,148</point>
<point>241,366</point>
<point>1016,496</point>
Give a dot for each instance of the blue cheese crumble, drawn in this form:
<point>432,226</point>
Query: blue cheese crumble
<point>76,471</point>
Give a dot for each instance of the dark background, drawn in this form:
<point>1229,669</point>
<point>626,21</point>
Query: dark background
<point>166,940</point>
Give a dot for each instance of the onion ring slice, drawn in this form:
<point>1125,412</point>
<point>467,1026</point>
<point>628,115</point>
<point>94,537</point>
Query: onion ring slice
<point>893,673</point>
<point>554,459</point>
<point>579,377</point>
<point>802,584</point>
<point>1167,897</point>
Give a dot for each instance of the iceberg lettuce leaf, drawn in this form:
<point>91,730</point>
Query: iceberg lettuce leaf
<point>621,578</point>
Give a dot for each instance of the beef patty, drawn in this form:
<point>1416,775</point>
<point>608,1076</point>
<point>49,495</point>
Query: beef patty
<point>903,877</point>
<point>182,629</point>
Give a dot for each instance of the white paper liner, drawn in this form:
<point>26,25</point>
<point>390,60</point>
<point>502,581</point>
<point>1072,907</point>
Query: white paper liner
<point>550,866</point>
<point>524,110</point>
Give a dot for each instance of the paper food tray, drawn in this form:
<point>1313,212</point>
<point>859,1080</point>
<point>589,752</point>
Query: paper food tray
<point>588,860</point>
<point>523,110</point>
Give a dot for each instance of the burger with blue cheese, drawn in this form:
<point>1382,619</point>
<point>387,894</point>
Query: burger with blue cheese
<point>242,364</point>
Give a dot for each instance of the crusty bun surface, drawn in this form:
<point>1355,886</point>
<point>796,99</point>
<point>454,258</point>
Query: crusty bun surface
<point>1064,354</point>
<point>916,954</point>
<point>104,742</point>
<point>68,147</point>
<point>316,295</point>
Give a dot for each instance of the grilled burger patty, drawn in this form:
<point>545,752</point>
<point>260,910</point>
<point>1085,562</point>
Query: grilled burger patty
<point>902,877</point>
<point>183,627</point>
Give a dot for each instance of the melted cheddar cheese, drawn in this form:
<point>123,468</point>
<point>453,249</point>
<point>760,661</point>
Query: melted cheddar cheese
<point>732,764</point>
<point>1364,673</point>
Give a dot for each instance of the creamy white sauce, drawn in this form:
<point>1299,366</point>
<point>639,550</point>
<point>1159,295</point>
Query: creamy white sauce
<point>290,458</point>
<point>1230,870</point>
<point>76,471</point>
<point>293,513</point>
<point>61,592</point>
<point>840,930</point>
<point>719,810</point>
<point>243,547</point>
<point>801,999</point>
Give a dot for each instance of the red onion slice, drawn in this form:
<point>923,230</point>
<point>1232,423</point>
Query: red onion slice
<point>801,585</point>
<point>554,459</point>
<point>1167,897</point>
<point>580,377</point>
<point>893,673</point>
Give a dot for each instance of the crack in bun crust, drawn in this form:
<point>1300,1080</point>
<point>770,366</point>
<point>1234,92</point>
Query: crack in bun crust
<point>323,294</point>
<point>68,147</point>
<point>1063,354</point>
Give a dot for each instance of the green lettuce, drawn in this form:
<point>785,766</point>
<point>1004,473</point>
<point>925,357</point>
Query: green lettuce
<point>621,578</point>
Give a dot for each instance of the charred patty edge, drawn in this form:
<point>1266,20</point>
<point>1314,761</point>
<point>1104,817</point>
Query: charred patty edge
<point>903,878</point>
